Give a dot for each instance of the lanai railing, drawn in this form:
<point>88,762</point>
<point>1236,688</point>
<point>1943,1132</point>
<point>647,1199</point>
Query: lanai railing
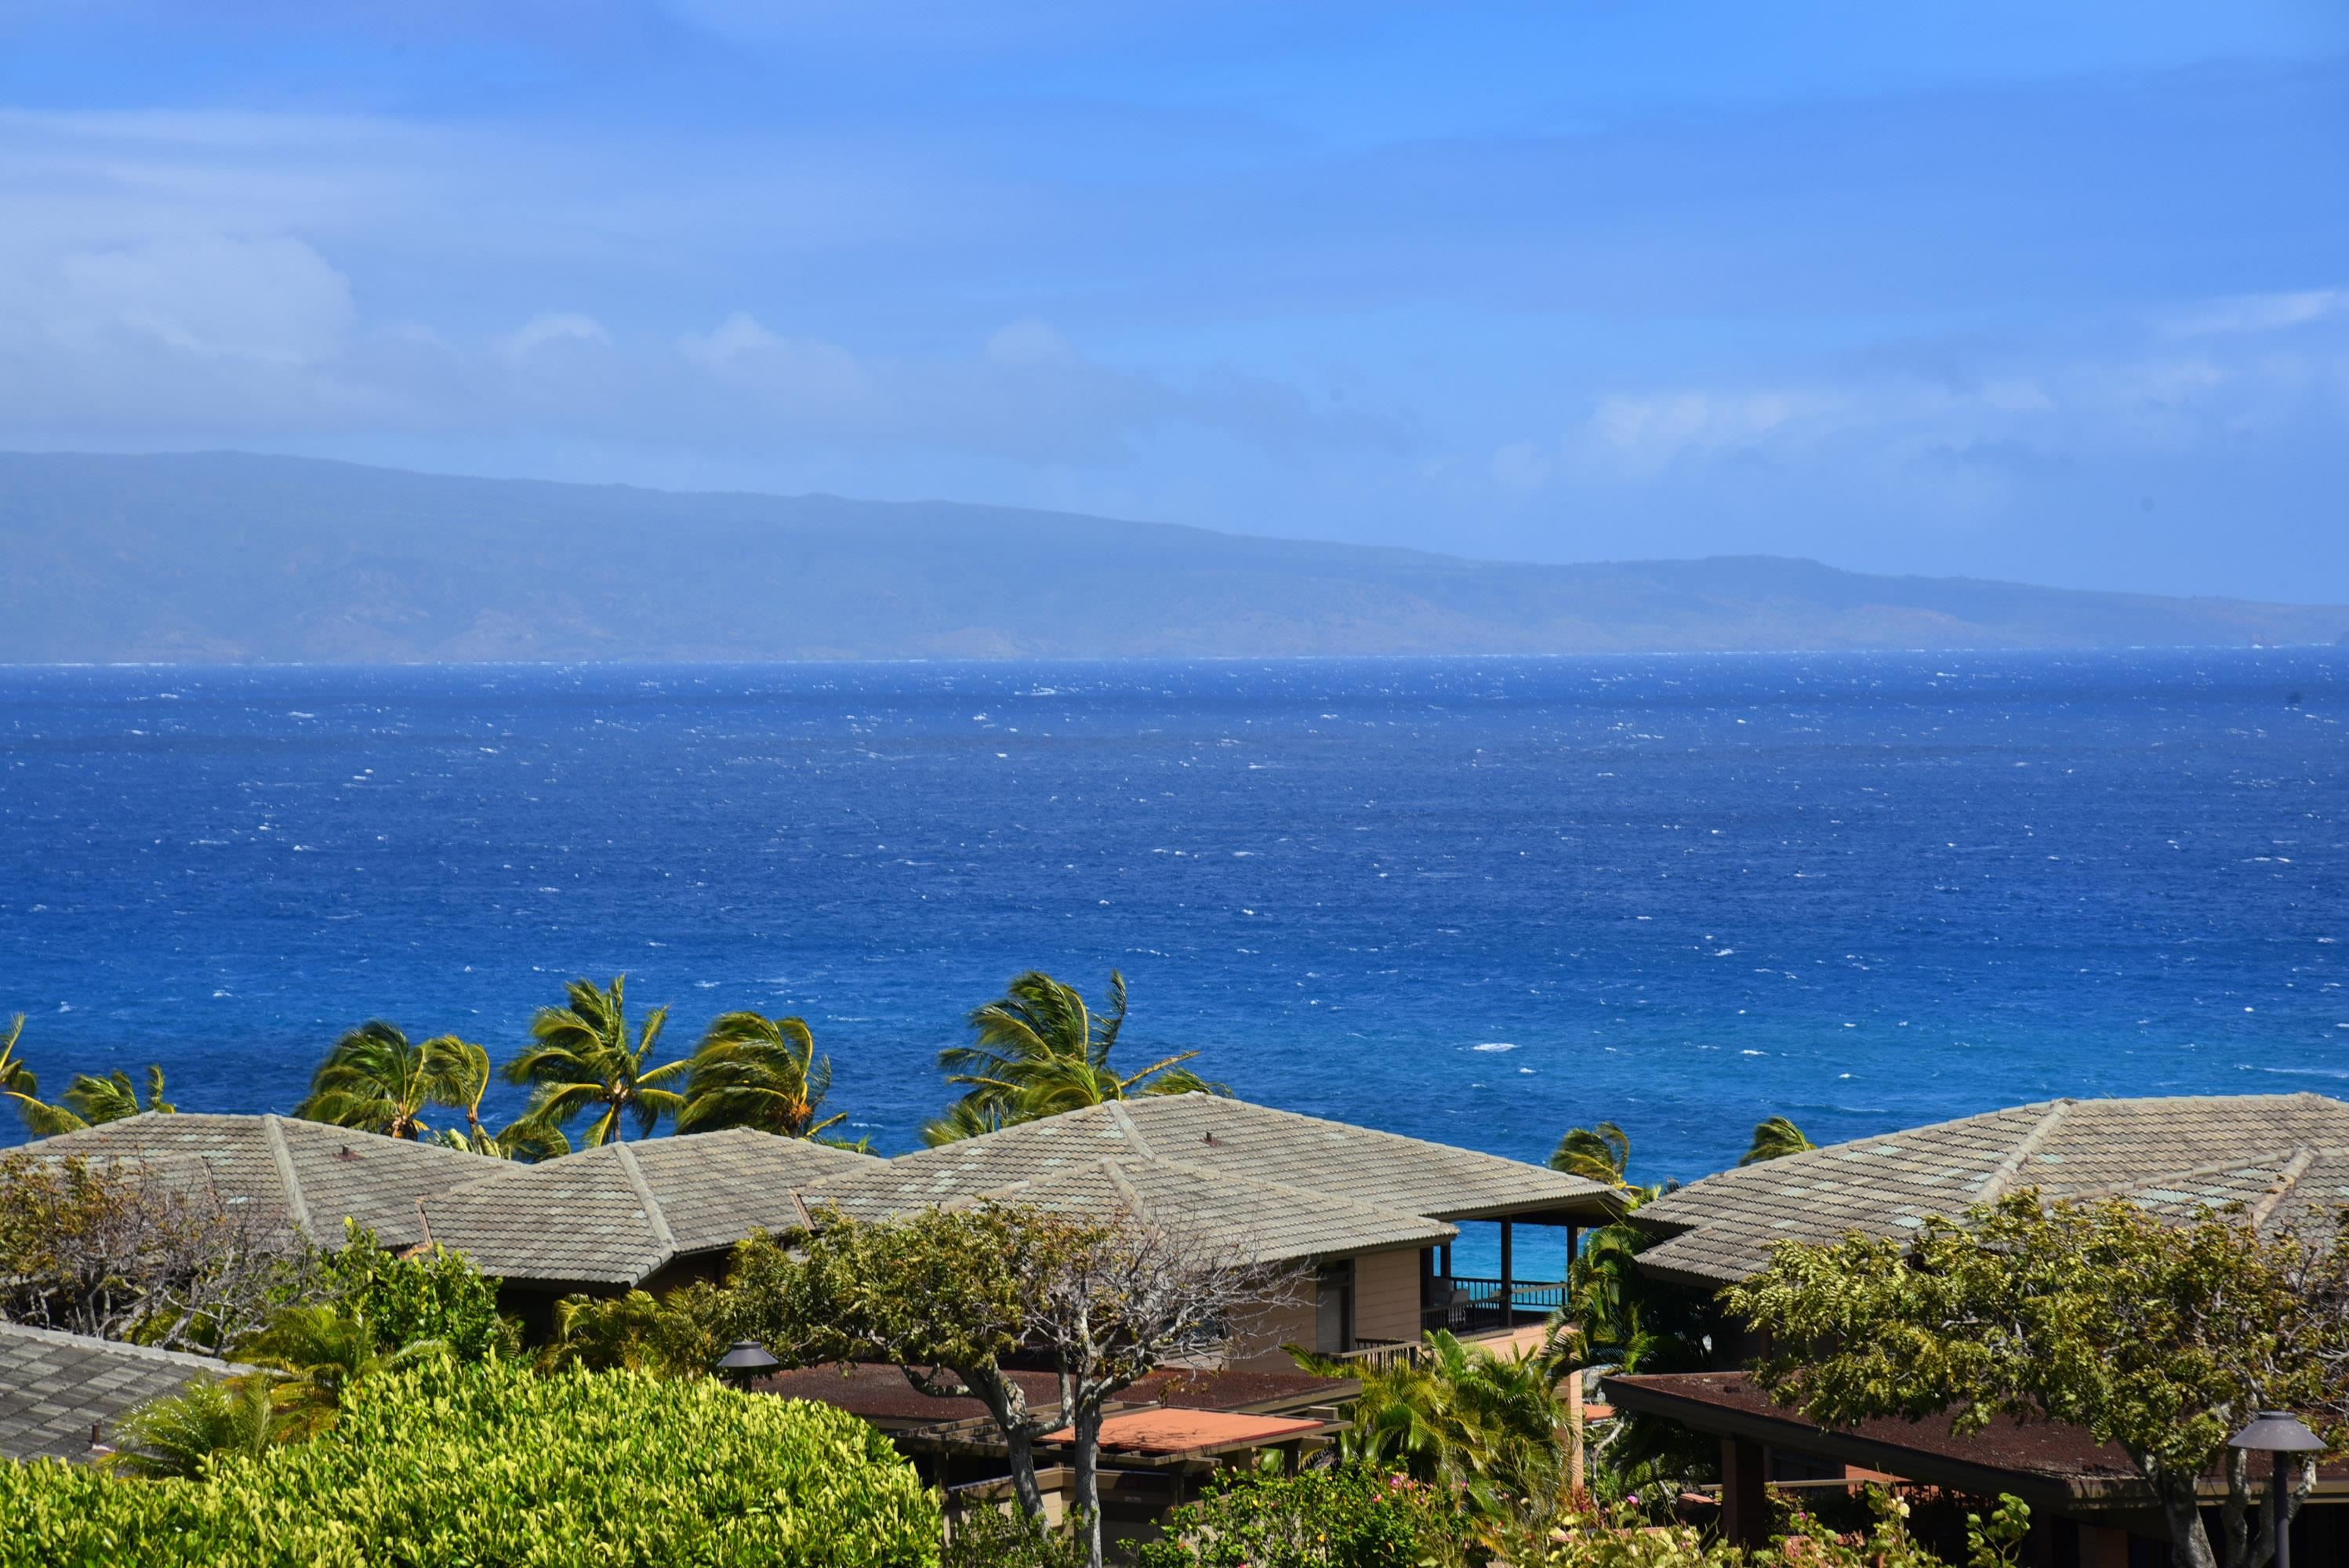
<point>1471,1303</point>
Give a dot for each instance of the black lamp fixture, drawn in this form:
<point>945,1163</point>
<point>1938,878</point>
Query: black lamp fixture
<point>745,1360</point>
<point>2281,1433</point>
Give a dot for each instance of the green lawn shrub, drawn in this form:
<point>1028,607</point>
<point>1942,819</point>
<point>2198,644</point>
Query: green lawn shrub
<point>488,1466</point>
<point>1353,1516</point>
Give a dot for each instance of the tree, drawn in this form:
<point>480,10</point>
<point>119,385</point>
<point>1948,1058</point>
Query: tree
<point>1599,1154</point>
<point>1121,1296</point>
<point>1039,1051</point>
<point>23,1090</point>
<point>1774,1138</point>
<point>311,1356</point>
<point>1492,1431</point>
<point>638,1332</point>
<point>2161,1338</point>
<point>585,1060</point>
<point>129,1255</point>
<point>949,1296</point>
<point>374,1081</point>
<point>184,1434</point>
<point>754,1071</point>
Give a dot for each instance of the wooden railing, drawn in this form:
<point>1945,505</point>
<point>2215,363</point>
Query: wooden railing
<point>1471,1303</point>
<point>1382,1352</point>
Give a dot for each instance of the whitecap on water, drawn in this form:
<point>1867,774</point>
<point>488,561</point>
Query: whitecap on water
<point>1493,1046</point>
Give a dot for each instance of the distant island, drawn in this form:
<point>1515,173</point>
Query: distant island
<point>228,557</point>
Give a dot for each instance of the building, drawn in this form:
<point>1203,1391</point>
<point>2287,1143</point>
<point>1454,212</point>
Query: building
<point>1366,1220</point>
<point>2282,1159</point>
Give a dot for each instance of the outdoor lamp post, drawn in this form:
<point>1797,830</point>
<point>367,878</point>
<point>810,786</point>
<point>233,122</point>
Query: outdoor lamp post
<point>745,1360</point>
<point>2278,1432</point>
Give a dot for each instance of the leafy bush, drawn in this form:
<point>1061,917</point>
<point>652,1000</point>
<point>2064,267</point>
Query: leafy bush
<point>1355,1516</point>
<point>1007,1537</point>
<point>432,1295</point>
<point>488,1465</point>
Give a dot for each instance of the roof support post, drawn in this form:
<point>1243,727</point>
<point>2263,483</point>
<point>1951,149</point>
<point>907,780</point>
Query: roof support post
<point>1744,1503</point>
<point>1508,1277</point>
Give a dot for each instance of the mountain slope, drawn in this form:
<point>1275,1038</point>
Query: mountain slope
<point>223,556</point>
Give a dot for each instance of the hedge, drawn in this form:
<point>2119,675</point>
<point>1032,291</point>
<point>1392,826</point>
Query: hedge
<point>488,1466</point>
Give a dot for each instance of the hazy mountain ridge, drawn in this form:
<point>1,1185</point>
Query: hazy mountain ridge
<point>228,557</point>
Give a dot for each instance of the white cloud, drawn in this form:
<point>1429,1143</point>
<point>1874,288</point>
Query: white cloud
<point>552,326</point>
<point>271,299</point>
<point>2260,312</point>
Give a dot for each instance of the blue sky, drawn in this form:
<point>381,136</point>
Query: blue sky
<point>2039,290</point>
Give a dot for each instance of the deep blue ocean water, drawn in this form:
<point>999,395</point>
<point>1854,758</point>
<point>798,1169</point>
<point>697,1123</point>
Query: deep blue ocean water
<point>1476,900</point>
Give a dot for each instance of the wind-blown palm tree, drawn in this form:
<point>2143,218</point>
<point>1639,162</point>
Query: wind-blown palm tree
<point>309,1357</point>
<point>752,1070</point>
<point>1041,1051</point>
<point>374,1081</point>
<point>585,1061</point>
<point>1774,1140</point>
<point>22,1089</point>
<point>87,1101</point>
<point>1598,1154</point>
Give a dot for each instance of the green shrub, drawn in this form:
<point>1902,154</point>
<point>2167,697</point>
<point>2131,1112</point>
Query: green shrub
<point>433,1296</point>
<point>1355,1516</point>
<point>489,1465</point>
<point>1007,1537</point>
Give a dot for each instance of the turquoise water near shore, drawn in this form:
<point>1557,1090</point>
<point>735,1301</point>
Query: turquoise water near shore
<point>1473,900</point>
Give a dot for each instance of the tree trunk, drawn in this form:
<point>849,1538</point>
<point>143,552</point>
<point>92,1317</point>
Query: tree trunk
<point>1007,1403</point>
<point>2189,1543</point>
<point>1087,1431</point>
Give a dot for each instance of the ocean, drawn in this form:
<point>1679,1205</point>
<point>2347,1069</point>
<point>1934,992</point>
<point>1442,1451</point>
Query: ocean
<point>1473,900</point>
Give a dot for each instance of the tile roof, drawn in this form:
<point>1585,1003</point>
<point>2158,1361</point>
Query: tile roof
<point>1281,1185</point>
<point>614,1215</point>
<point>53,1386</point>
<point>302,1173</point>
<point>2285,1157</point>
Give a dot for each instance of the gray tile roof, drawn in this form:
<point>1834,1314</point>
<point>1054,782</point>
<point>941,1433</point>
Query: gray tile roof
<point>304,1173</point>
<point>616,1215</point>
<point>2285,1157</point>
<point>1290,1186</point>
<point>53,1386</point>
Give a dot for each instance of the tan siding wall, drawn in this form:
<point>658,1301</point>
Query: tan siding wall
<point>1287,1319</point>
<point>1386,1297</point>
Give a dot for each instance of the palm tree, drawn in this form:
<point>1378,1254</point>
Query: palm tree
<point>1774,1140</point>
<point>180,1434</point>
<point>755,1071</point>
<point>376,1082</point>
<point>525,1141</point>
<point>310,1357</point>
<point>1595,1153</point>
<point>585,1061</point>
<point>1041,1051</point>
<point>23,1090</point>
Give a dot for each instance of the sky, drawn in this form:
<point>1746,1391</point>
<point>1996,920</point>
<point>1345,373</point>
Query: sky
<point>2011,288</point>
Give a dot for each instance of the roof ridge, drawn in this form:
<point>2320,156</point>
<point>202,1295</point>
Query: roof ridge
<point>1118,1179</point>
<point>297,1208</point>
<point>2004,1173</point>
<point>1125,1118</point>
<point>1232,1103</point>
<point>2285,1181</point>
<point>119,1347</point>
<point>653,1212</point>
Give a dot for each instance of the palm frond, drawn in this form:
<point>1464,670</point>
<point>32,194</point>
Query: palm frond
<point>1774,1138</point>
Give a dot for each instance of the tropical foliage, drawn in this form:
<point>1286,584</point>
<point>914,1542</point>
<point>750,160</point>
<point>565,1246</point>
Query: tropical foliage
<point>587,1061</point>
<point>430,1296</point>
<point>1600,1154</point>
<point>1355,1516</point>
<point>87,1100</point>
<point>489,1463</point>
<point>637,1332</point>
<point>376,1081</point>
<point>1038,1050</point>
<point>2162,1338</point>
<point>754,1071</point>
<point>1774,1138</point>
<point>1490,1432</point>
<point>210,1419</point>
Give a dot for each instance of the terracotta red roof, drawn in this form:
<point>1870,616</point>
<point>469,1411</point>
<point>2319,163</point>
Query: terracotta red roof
<point>1170,1429</point>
